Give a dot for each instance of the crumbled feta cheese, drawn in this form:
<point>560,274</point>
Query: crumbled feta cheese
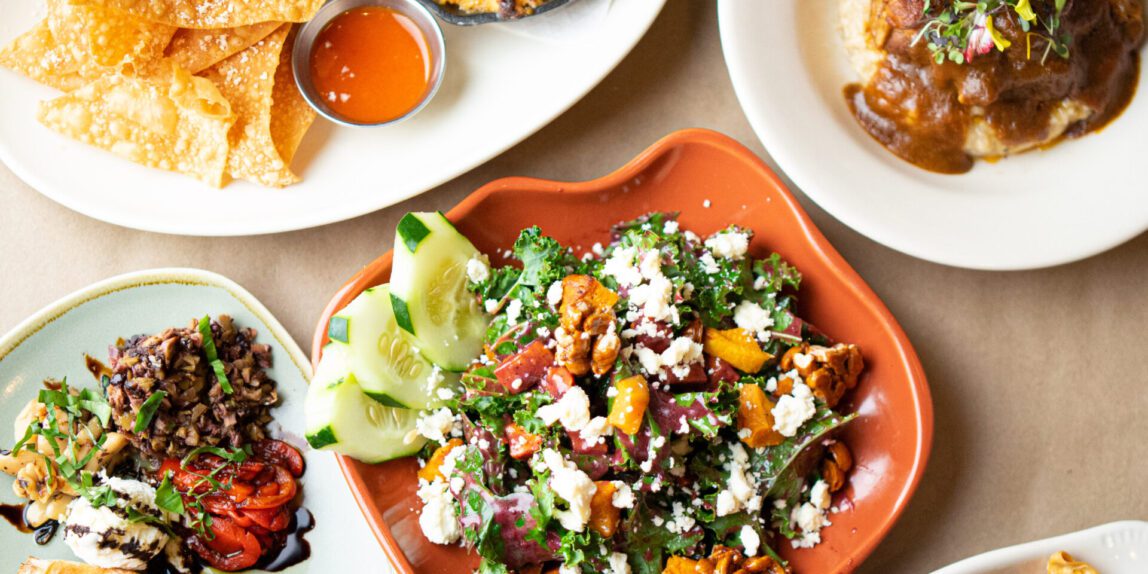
<point>753,318</point>
<point>791,411</point>
<point>651,361</point>
<point>573,409</point>
<point>477,270</point>
<point>597,428</point>
<point>729,244</point>
<point>655,299</point>
<point>439,518</point>
<point>670,227</point>
<point>623,495</point>
<point>726,503</point>
<point>740,490</point>
<point>554,294</point>
<point>513,311</point>
<point>619,563</point>
<point>750,540</point>
<point>597,249</point>
<point>759,283</point>
<point>571,485</point>
<point>707,203</point>
<point>811,520</point>
<point>709,264</point>
<point>682,522</point>
<point>620,266</point>
<point>819,495</point>
<point>564,569</point>
<point>682,352</point>
<point>435,378</point>
<point>436,425</point>
<point>490,305</point>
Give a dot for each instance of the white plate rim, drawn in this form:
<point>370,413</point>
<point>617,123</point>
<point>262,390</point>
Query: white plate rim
<point>802,171</point>
<point>649,10</point>
<point>1042,549</point>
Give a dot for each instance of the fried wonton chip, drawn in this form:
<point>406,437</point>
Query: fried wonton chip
<point>248,80</point>
<point>198,50</point>
<point>105,37</point>
<point>170,120</point>
<point>36,54</point>
<point>1064,563</point>
<point>79,42</point>
<point>216,13</point>
<point>291,116</point>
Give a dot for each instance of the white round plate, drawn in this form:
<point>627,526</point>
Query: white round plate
<point>52,343</point>
<point>788,67</point>
<point>503,82</point>
<point>1114,548</point>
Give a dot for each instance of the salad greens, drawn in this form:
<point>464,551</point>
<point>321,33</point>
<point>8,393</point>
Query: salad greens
<point>656,399</point>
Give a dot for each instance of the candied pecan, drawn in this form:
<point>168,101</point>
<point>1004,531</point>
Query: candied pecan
<point>829,371</point>
<point>586,337</point>
<point>838,461</point>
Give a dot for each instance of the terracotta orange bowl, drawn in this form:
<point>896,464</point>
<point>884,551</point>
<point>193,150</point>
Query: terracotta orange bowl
<point>713,181</point>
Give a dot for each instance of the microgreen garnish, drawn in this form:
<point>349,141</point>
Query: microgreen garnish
<point>966,29</point>
<point>191,503</point>
<point>213,355</point>
<point>147,411</point>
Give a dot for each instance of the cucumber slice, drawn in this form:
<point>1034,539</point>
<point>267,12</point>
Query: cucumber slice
<point>385,364</point>
<point>340,418</point>
<point>428,291</point>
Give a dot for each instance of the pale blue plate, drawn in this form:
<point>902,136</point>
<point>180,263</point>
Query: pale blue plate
<point>52,343</point>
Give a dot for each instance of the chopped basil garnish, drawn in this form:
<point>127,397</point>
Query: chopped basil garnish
<point>213,355</point>
<point>167,497</point>
<point>147,411</point>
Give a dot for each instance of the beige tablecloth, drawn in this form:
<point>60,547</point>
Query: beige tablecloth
<point>1039,379</point>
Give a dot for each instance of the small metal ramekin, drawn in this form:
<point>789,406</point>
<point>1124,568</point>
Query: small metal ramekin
<point>305,41</point>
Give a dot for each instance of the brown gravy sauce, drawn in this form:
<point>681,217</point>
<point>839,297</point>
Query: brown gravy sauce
<point>922,111</point>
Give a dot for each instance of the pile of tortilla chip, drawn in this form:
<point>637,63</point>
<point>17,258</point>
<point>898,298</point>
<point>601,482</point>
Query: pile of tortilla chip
<point>201,87</point>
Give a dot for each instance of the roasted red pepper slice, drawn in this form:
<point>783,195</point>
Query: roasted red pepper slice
<point>280,453</point>
<point>231,547</point>
<point>276,490</point>
<point>272,519</point>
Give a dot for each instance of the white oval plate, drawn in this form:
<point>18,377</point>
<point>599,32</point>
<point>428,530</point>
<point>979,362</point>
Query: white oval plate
<point>788,67</point>
<point>1114,548</point>
<point>503,82</point>
<point>52,343</point>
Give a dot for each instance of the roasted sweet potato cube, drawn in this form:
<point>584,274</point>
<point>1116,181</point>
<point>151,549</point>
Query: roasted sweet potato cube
<point>604,515</point>
<point>754,415</point>
<point>523,444</point>
<point>630,404</point>
<point>434,464</point>
<point>736,347</point>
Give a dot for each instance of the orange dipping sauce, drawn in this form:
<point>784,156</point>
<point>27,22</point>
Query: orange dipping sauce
<point>371,65</point>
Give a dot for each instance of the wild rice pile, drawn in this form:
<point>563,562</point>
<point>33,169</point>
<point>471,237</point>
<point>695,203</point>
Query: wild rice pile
<point>195,411</point>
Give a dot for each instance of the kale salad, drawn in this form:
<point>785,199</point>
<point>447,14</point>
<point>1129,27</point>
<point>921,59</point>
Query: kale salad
<point>653,405</point>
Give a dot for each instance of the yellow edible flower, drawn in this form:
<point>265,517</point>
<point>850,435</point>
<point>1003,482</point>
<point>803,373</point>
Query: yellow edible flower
<point>1024,10</point>
<point>998,39</point>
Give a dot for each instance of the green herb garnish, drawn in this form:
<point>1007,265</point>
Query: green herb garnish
<point>167,497</point>
<point>147,411</point>
<point>213,355</point>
